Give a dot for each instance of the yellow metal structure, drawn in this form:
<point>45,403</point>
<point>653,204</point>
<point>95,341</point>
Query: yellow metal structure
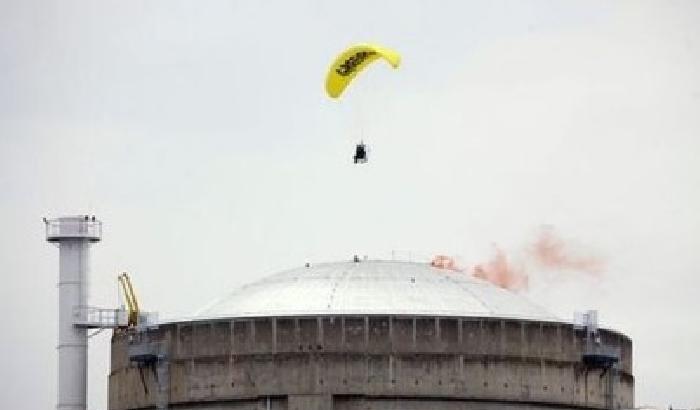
<point>352,61</point>
<point>132,304</point>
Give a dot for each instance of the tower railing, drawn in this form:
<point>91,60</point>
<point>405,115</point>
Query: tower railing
<point>86,228</point>
<point>93,317</point>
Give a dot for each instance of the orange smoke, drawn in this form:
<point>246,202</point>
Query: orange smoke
<point>547,252</point>
<point>444,262</point>
<point>551,252</point>
<point>501,272</point>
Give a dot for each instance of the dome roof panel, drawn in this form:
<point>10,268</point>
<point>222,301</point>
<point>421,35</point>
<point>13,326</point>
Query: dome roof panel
<point>373,287</point>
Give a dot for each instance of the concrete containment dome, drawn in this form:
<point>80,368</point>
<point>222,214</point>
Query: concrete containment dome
<point>371,335</point>
<point>375,288</point>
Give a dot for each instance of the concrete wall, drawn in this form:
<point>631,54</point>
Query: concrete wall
<point>370,362</point>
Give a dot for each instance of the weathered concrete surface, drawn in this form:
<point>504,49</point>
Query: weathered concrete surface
<point>310,402</point>
<point>371,362</point>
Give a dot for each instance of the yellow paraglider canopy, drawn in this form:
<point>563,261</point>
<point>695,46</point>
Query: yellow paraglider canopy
<point>353,60</point>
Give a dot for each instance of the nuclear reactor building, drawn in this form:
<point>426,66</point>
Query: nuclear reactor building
<point>371,335</point>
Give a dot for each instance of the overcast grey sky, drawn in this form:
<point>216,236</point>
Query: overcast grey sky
<point>200,134</point>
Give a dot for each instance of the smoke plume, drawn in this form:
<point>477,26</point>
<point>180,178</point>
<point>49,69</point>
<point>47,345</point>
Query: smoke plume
<point>548,252</point>
<point>501,272</point>
<point>445,262</point>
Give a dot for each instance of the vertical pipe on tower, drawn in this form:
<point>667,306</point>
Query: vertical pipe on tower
<point>73,235</point>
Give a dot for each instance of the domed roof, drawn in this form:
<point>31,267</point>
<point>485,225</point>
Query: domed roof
<point>370,288</point>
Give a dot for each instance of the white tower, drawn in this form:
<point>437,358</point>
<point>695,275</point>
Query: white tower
<point>73,235</point>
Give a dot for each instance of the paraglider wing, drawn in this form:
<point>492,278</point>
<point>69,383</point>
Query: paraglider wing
<point>352,61</point>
